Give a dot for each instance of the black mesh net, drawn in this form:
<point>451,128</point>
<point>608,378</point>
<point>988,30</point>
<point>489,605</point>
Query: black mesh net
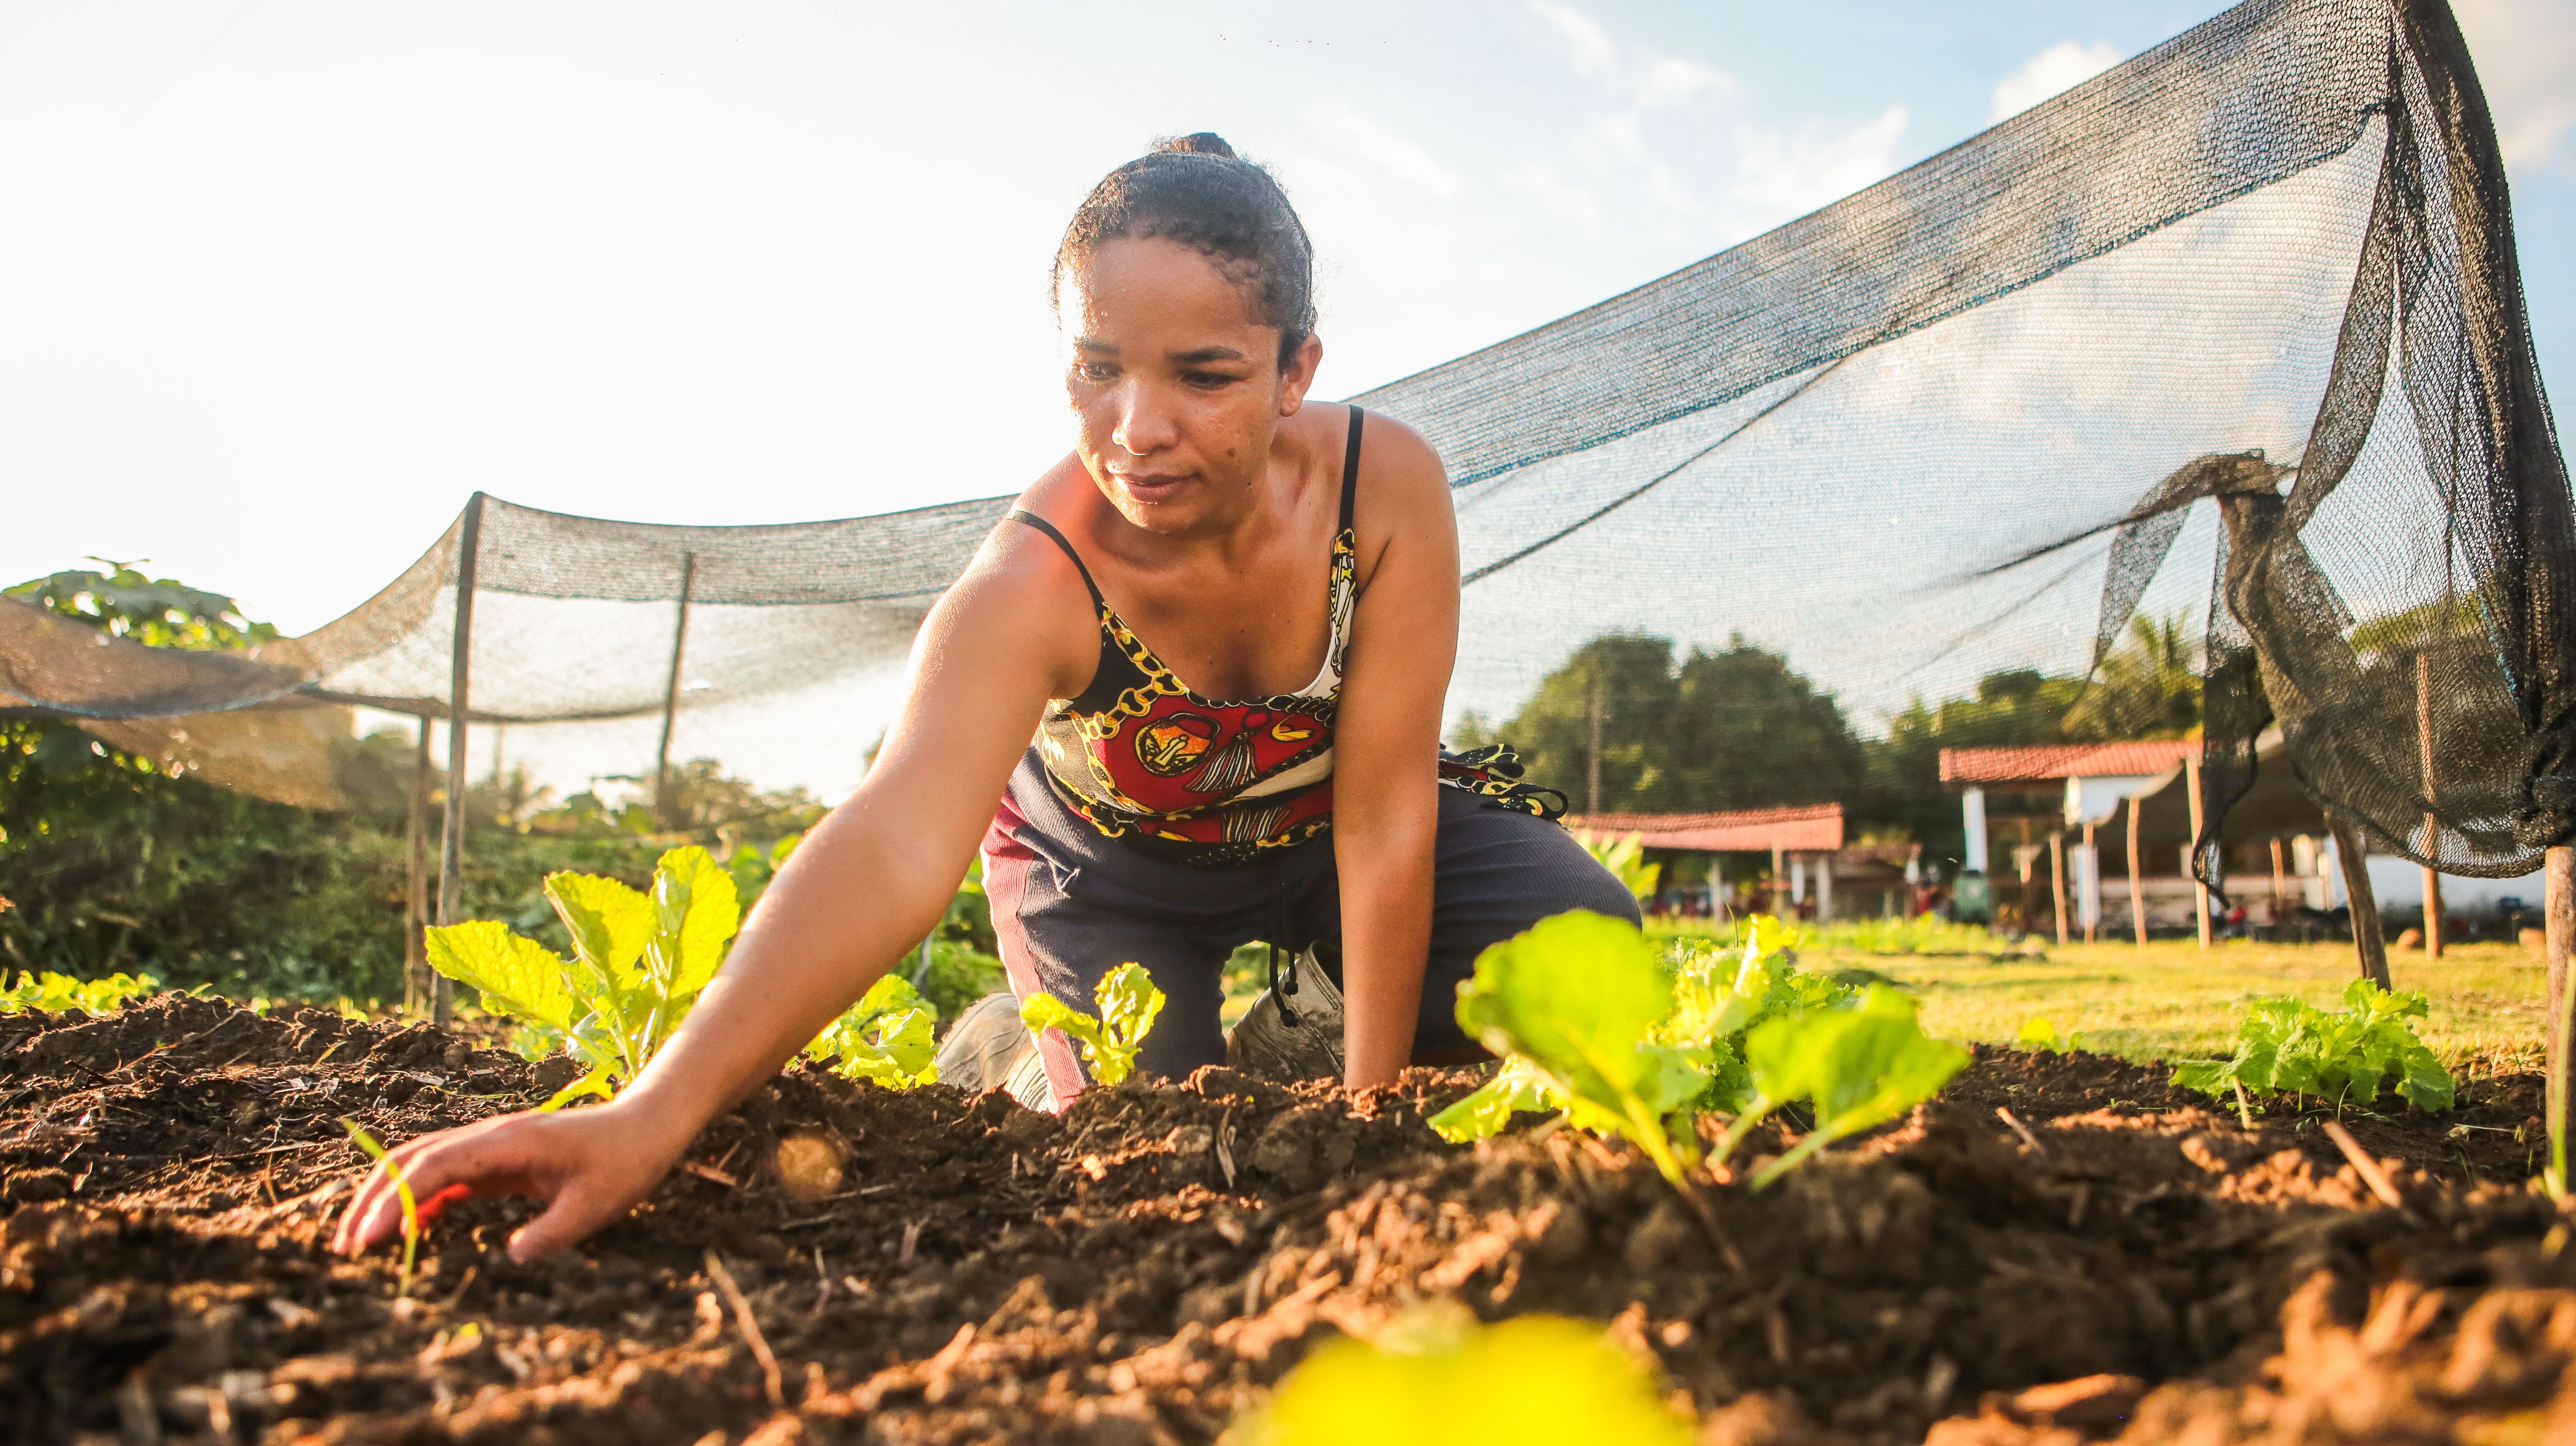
<point>2231,335</point>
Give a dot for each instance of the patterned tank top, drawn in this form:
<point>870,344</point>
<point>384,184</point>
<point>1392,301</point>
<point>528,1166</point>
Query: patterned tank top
<point>1142,757</point>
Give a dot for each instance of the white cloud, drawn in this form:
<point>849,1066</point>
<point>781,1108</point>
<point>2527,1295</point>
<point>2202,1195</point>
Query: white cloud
<point>1788,173</point>
<point>1586,43</point>
<point>1355,132</point>
<point>2525,50</point>
<point>2058,68</point>
<point>1671,79</point>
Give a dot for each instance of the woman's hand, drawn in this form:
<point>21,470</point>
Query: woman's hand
<point>589,1166</point>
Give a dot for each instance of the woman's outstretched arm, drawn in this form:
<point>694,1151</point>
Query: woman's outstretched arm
<point>864,887</point>
<point>1386,741</point>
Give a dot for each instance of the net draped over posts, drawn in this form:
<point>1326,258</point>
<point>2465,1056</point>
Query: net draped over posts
<point>2234,330</point>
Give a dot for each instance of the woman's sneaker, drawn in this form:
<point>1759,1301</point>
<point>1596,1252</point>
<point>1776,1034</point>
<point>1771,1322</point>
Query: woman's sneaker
<point>1295,1038</point>
<point>989,1048</point>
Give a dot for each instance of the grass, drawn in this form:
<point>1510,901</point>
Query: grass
<point>2173,1000</point>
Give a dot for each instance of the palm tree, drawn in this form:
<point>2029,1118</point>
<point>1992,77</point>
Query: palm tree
<point>2147,688</point>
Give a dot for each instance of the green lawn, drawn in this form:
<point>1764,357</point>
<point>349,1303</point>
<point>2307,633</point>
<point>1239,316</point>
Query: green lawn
<point>2174,1000</point>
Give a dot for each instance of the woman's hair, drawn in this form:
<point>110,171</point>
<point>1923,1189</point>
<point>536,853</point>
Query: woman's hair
<point>1195,190</point>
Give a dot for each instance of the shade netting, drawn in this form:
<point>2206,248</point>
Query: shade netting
<point>2233,332</point>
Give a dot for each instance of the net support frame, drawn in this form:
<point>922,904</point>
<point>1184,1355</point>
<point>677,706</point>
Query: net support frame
<point>451,860</point>
<point>416,975</point>
<point>2558,895</point>
<point>671,695</point>
<point>2352,855</point>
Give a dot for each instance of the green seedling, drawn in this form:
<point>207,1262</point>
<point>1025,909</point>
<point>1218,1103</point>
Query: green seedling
<point>884,1039</point>
<point>1573,1004</point>
<point>2285,1046</point>
<point>2040,1034</point>
<point>1437,1375</point>
<point>1624,855</point>
<point>402,1190</point>
<point>1861,1067</point>
<point>54,993</point>
<point>638,964</point>
<point>1128,1003</point>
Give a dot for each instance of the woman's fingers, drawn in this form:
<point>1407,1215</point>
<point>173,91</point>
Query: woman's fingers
<point>503,1156</point>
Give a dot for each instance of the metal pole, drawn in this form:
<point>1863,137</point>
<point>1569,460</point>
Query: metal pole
<point>2353,853</point>
<point>2558,894</point>
<point>2137,886</point>
<point>451,855</point>
<point>416,984</point>
<point>2432,824</point>
<point>2199,886</point>
<point>671,697</point>
<point>2057,880</point>
<point>2092,900</point>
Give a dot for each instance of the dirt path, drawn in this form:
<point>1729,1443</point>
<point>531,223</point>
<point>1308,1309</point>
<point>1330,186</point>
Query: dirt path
<point>1143,1268</point>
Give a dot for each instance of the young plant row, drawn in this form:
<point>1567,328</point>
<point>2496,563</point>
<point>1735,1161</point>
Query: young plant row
<point>1593,1024</point>
<point>2287,1047</point>
<point>640,961</point>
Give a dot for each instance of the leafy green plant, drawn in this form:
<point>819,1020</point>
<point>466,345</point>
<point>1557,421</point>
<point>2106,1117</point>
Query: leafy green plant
<point>1437,1375</point>
<point>1591,1023</point>
<point>1128,1004</point>
<point>2287,1046</point>
<point>1860,1067</point>
<point>639,962</point>
<point>411,1213</point>
<point>885,1038</point>
<point>1624,855</point>
<point>53,993</point>
<point>2038,1033</point>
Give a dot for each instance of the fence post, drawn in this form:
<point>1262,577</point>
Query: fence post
<point>2353,852</point>
<point>416,976</point>
<point>2558,890</point>
<point>451,853</point>
<point>2200,886</point>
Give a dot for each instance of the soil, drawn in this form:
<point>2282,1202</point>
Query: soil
<point>2115,1260</point>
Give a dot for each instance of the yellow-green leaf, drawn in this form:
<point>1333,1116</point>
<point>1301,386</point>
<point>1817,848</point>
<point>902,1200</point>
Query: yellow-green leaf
<point>519,976</point>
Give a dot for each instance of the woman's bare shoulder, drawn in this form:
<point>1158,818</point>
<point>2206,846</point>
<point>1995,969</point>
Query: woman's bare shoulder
<point>1403,484</point>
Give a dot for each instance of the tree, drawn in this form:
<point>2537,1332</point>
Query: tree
<point>1904,796</point>
<point>1619,729</point>
<point>2148,687</point>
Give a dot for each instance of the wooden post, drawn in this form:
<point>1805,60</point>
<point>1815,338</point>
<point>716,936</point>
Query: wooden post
<point>1779,883</point>
<point>2558,894</point>
<point>2091,903</point>
<point>671,695</point>
<point>2432,823</point>
<point>2137,886</point>
<point>416,976</point>
<point>1592,771</point>
<point>2057,879</point>
<point>2199,886</point>
<point>451,852</point>
<point>2280,883</point>
<point>2353,853</point>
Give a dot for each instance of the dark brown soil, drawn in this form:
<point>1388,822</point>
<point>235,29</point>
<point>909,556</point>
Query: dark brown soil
<point>1144,1268</point>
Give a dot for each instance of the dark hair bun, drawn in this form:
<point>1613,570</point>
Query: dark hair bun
<point>1196,143</point>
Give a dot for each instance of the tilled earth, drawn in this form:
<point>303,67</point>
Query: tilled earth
<point>2062,1250</point>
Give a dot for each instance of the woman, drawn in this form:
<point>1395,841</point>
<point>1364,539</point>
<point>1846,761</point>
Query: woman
<point>1210,526</point>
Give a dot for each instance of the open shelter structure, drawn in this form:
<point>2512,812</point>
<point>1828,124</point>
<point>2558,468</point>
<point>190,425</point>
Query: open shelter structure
<point>2233,332</point>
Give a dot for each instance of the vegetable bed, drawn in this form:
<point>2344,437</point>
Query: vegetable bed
<point>1146,1267</point>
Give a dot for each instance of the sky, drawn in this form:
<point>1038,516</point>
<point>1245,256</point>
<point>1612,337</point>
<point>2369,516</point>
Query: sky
<point>287,279</point>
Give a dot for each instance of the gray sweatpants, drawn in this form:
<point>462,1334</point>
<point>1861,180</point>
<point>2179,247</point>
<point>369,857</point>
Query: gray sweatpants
<point>1069,905</point>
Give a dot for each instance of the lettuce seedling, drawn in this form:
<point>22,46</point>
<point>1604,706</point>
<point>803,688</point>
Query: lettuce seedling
<point>885,1038</point>
<point>1861,1067</point>
<point>638,963</point>
<point>2286,1046</point>
<point>1128,1004</point>
<point>1533,1380</point>
<point>2038,1034</point>
<point>1575,1001</point>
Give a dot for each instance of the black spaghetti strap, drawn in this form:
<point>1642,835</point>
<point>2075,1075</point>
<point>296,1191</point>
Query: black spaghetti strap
<point>1042,525</point>
<point>1351,470</point>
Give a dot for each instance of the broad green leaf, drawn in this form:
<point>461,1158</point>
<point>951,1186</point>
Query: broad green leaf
<point>610,924</point>
<point>885,1037</point>
<point>1577,993</point>
<point>1861,1067</point>
<point>712,913</point>
<point>1516,1087</point>
<point>1129,1003</point>
<point>518,976</point>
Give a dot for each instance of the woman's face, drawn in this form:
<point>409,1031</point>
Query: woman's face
<point>1176,385</point>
